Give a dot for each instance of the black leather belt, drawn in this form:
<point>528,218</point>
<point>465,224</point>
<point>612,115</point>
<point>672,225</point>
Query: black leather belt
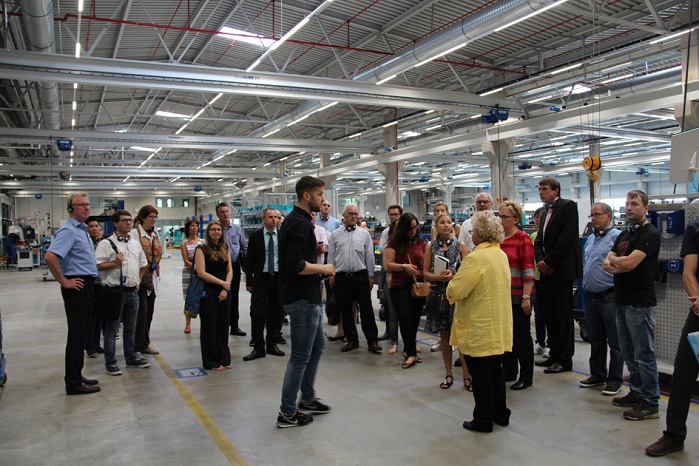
<point>601,294</point>
<point>351,274</point>
<point>128,288</point>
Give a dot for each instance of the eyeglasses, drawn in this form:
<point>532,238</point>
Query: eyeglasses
<point>352,213</point>
<point>126,220</point>
<point>153,217</point>
<point>482,202</point>
<point>596,215</point>
<point>506,217</point>
<point>85,204</point>
<point>215,229</point>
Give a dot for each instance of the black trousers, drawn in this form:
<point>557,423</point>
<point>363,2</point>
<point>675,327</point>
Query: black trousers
<point>234,295</point>
<point>213,336</point>
<point>355,287</point>
<point>265,311</point>
<point>488,390</point>
<point>78,306</point>
<point>556,297</point>
<point>146,306</point>
<point>683,377</point>
<point>522,354</point>
<point>409,311</point>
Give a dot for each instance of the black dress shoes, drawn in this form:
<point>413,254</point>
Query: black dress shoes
<point>478,426</point>
<point>90,381</point>
<point>335,338</point>
<point>374,347</point>
<point>383,337</point>
<point>503,420</point>
<point>275,351</point>
<point>558,368</point>
<point>521,385</point>
<point>237,332</point>
<point>280,340</point>
<point>545,363</point>
<point>350,346</point>
<point>82,389</point>
<point>254,355</point>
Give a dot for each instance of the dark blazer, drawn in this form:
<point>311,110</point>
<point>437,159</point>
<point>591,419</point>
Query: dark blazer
<point>255,258</point>
<point>559,245</point>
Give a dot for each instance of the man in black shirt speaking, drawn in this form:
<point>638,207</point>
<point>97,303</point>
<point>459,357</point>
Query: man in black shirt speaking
<point>299,277</point>
<point>633,261</point>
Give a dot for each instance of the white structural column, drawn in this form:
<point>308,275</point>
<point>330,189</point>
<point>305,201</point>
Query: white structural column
<point>501,172</point>
<point>690,72</point>
<point>330,193</point>
<point>362,211</point>
<point>391,170</point>
<point>446,187</point>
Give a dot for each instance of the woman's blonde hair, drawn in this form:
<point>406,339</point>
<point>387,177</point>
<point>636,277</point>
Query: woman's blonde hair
<point>436,222</point>
<point>219,249</point>
<point>515,208</point>
<point>487,226</point>
<point>439,204</point>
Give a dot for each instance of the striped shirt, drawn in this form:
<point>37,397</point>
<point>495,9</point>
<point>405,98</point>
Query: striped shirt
<point>520,255</point>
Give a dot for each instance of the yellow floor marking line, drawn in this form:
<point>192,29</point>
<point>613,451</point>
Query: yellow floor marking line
<point>226,447</point>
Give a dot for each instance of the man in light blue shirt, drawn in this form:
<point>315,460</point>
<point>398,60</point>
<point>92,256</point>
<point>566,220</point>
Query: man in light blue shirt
<point>71,260</point>
<point>325,220</point>
<point>600,308</point>
<point>237,245</point>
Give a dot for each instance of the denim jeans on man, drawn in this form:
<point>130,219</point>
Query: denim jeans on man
<point>129,311</point>
<point>636,327</point>
<point>600,320</point>
<point>307,346</point>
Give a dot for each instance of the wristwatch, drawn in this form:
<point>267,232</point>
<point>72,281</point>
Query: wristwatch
<point>404,266</point>
<point>525,296</point>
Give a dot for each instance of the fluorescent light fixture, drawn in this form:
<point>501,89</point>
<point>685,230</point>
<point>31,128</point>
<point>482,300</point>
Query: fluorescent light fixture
<point>390,124</point>
<point>124,181</point>
<point>616,66</point>
<point>219,180</point>
<point>270,133</point>
<point>539,99</point>
<point>386,79</point>
<point>206,164</point>
<point>143,149</point>
<point>75,85</point>
<point>671,36</point>
<point>607,143</point>
<point>477,153</point>
<point>618,78</point>
<point>175,179</point>
<point>171,115</point>
<point>530,15</point>
<point>75,105</point>
<point>219,158</point>
<point>244,36</point>
<point>433,127</point>
<point>77,50</point>
<point>566,68</point>
<point>577,89</point>
<point>441,54</point>
<point>539,89</point>
<point>484,166</point>
<point>475,116</point>
<point>491,92</point>
<point>231,152</point>
<point>325,107</point>
<point>658,163</point>
<point>72,122</point>
<point>298,120</point>
<point>80,5</point>
<point>355,135</point>
<point>301,153</point>
<point>267,164</point>
<point>558,138</point>
<point>634,144</point>
<point>427,112</point>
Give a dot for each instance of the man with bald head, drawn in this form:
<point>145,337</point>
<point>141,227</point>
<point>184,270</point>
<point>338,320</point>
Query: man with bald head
<point>351,251</point>
<point>483,202</point>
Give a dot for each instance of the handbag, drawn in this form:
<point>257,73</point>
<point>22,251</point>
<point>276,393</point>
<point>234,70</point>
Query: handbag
<point>195,291</point>
<point>419,289</point>
<point>332,310</point>
<point>436,303</point>
<point>107,303</point>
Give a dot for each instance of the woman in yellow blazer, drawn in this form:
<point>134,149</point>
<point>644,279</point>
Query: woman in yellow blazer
<point>482,327</point>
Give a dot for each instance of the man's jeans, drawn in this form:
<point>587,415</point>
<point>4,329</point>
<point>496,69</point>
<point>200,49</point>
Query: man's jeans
<point>636,327</point>
<point>600,320</point>
<point>129,311</point>
<point>307,346</point>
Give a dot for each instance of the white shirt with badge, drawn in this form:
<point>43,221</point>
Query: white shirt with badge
<point>134,260</point>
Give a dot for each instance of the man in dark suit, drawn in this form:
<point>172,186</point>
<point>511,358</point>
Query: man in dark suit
<point>559,260</point>
<point>262,280</point>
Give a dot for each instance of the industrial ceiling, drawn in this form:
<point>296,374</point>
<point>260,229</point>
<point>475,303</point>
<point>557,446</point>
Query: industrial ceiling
<point>156,98</point>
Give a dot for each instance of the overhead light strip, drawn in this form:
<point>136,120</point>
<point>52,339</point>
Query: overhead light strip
<point>530,15</point>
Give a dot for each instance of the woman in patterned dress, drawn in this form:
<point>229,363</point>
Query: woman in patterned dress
<point>439,320</point>
<point>189,244</point>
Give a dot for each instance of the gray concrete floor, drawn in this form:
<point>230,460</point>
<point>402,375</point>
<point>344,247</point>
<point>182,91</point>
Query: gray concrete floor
<point>381,414</point>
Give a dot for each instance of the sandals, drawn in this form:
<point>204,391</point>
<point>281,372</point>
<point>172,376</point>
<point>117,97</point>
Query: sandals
<point>408,365</point>
<point>393,350</point>
<point>187,329</point>
<point>448,382</point>
<point>219,368</point>
<point>468,384</point>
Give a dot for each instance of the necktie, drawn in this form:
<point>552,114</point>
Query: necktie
<point>270,254</point>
